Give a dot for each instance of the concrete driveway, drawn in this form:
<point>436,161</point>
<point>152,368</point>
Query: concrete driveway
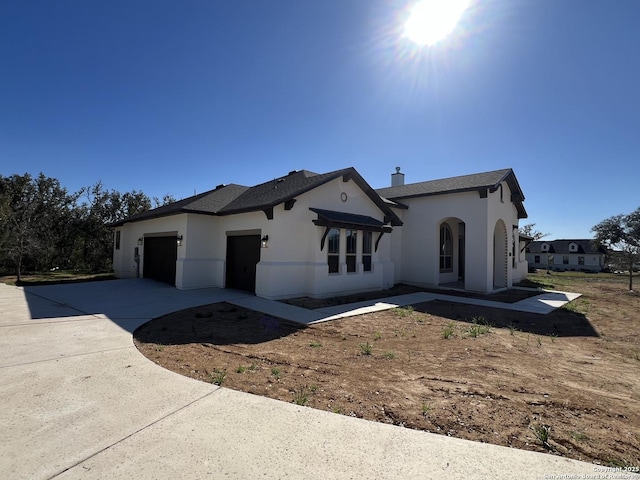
<point>79,401</point>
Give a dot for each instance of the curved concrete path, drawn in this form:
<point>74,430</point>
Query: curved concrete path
<point>78,401</point>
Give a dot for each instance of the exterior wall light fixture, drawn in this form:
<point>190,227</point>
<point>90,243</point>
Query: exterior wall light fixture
<point>140,240</point>
<point>264,242</point>
<point>179,240</point>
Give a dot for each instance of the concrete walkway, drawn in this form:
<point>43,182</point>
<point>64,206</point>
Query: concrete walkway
<point>542,304</point>
<point>80,402</point>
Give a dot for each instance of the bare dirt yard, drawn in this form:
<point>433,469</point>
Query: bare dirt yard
<point>567,383</point>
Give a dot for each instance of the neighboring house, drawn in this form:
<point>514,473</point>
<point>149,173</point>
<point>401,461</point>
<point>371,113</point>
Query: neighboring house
<point>566,255</point>
<point>322,235</point>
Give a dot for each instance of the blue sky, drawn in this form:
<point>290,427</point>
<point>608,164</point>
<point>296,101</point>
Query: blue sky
<point>176,97</point>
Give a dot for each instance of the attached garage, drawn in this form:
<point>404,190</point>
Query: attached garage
<point>243,254</point>
<point>160,256</point>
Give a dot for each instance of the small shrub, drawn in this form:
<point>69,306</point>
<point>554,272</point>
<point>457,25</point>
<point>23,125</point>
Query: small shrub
<point>300,396</point>
<point>275,371</point>
<point>218,377</point>
<point>448,331</point>
<point>512,328</point>
<point>476,330</point>
<point>426,408</point>
<point>543,434</point>
<point>377,336</point>
<point>240,369</point>
<point>480,326</point>
<point>366,348</point>
<point>389,355</point>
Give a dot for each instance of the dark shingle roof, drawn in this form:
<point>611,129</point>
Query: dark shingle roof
<point>207,203</point>
<point>585,246</point>
<point>232,199</point>
<point>279,190</point>
<point>464,183</point>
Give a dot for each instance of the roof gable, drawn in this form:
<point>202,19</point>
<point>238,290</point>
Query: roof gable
<point>480,182</point>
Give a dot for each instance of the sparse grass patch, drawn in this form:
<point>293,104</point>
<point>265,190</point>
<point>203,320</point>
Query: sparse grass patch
<point>275,372</point>
<point>579,436</point>
<point>389,355</point>
<point>377,336</point>
<point>241,369</point>
<point>404,311</point>
<point>315,344</point>
<point>425,408</point>
<point>480,326</point>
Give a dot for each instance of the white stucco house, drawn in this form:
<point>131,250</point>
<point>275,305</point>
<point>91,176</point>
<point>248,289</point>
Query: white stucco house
<point>322,235</point>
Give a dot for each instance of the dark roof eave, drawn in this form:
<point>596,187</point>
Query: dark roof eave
<point>444,192</point>
<point>145,218</point>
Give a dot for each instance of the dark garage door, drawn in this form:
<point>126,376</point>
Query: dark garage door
<point>243,254</point>
<point>160,255</point>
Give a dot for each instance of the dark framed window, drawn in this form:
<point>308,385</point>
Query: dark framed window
<point>565,260</point>
<point>117,240</point>
<point>446,249</point>
<point>367,248</point>
<point>333,252</point>
<point>536,259</point>
<point>580,260</point>
<point>352,241</point>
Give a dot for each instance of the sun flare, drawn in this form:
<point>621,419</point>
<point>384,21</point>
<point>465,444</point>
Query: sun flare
<point>431,21</point>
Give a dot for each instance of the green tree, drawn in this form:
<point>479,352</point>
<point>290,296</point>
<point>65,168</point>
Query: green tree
<point>100,209</point>
<point>34,213</point>
<point>529,230</point>
<point>621,233</point>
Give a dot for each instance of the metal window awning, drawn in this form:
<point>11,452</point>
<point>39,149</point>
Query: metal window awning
<point>332,219</point>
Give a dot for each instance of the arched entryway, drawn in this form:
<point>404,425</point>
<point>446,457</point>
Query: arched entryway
<point>500,255</point>
<point>451,252</point>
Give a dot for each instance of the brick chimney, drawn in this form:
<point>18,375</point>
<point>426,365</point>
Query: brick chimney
<point>397,179</point>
